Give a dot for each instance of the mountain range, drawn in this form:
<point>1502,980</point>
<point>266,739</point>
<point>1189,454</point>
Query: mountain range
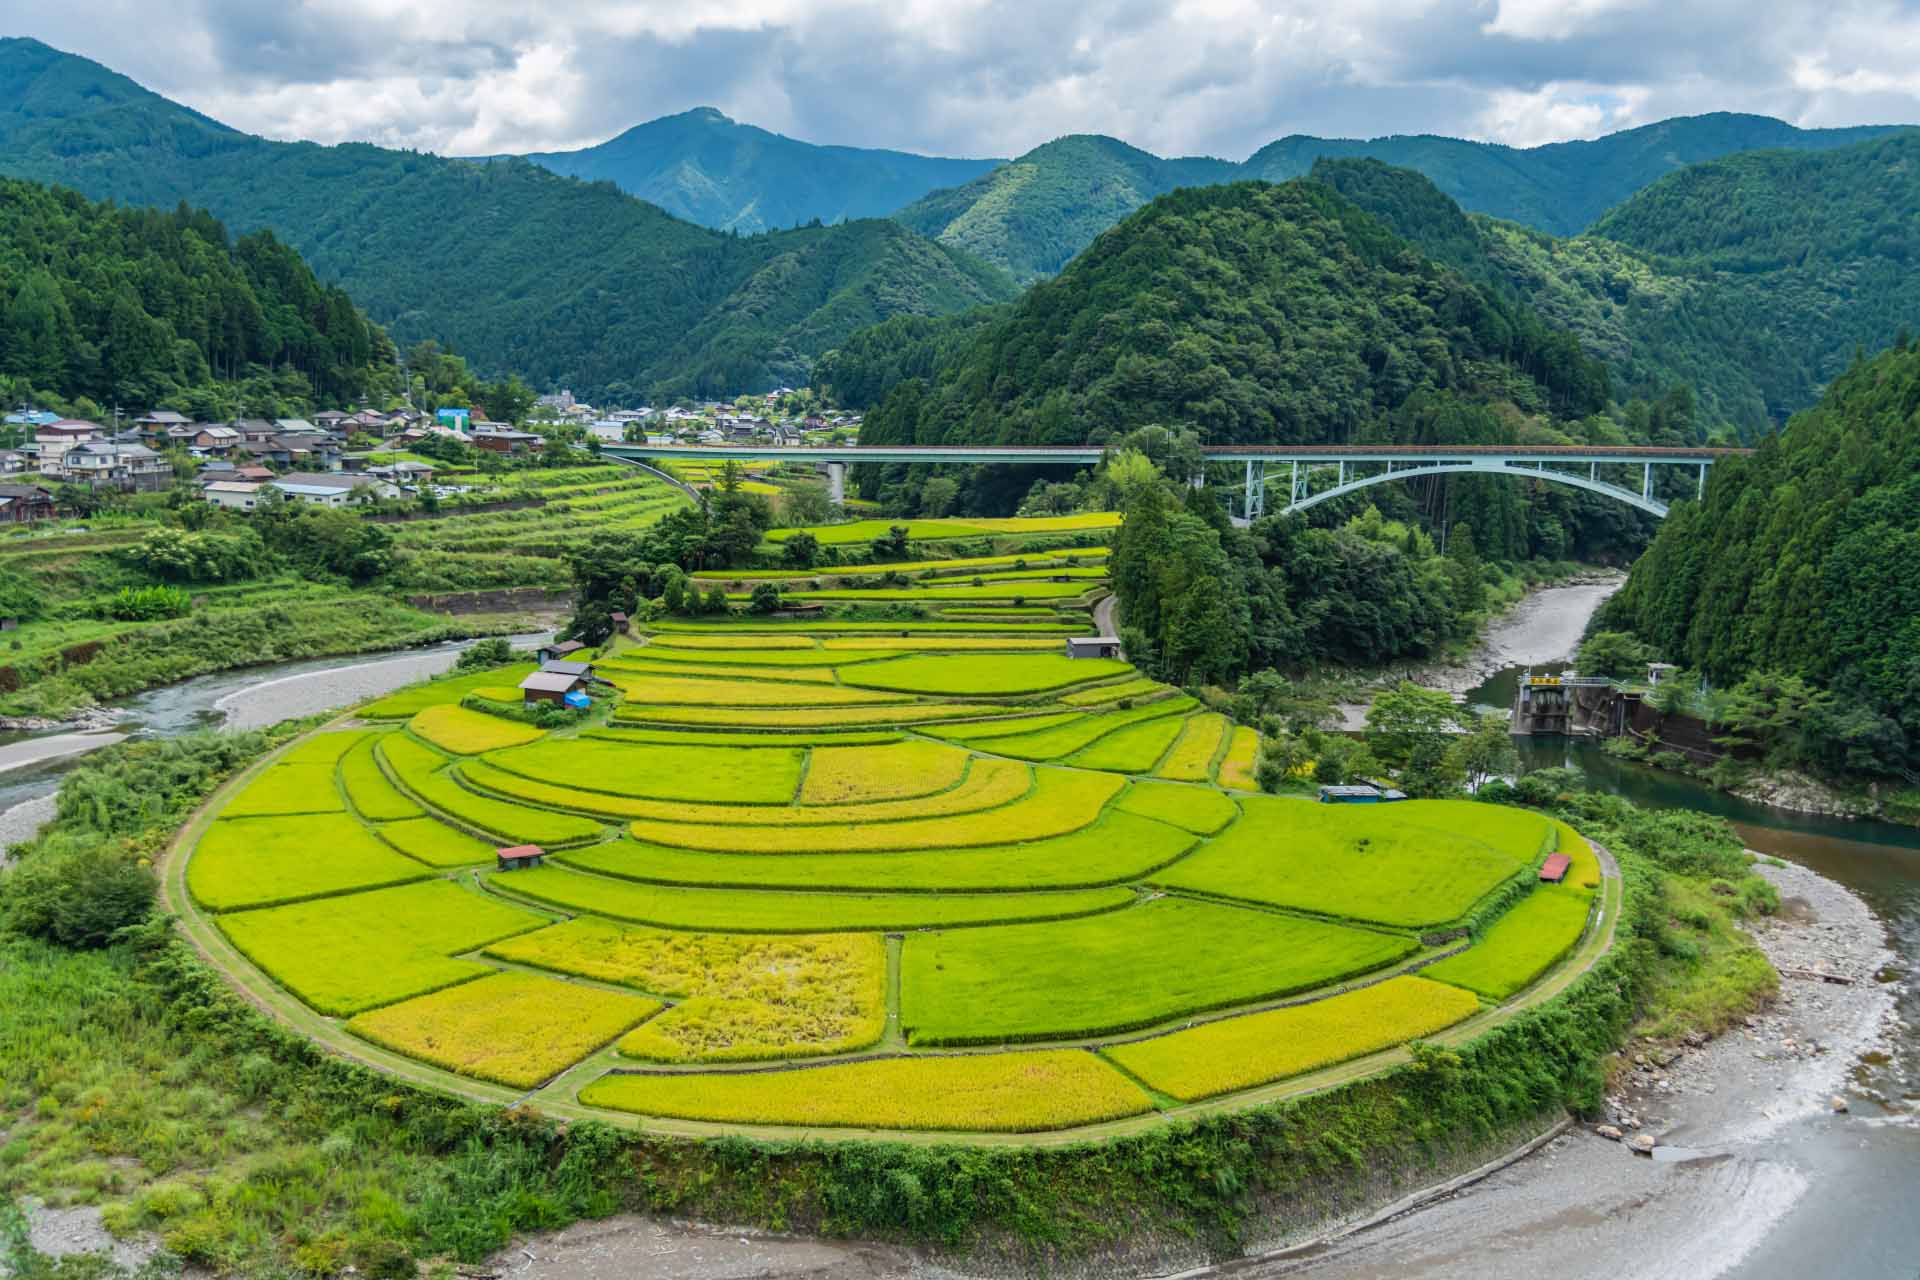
<point>703,167</point>
<point>568,283</point>
<point>1749,277</point>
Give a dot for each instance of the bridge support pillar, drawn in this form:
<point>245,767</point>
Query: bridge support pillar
<point>1255,504</point>
<point>1701,490</point>
<point>837,482</point>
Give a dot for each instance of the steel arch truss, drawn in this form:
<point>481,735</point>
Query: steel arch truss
<point>1353,475</point>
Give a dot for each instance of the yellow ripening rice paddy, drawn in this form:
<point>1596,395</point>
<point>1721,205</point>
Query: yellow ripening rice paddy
<point>781,911</point>
<point>369,790</point>
<point>971,1093</point>
<point>1105,693</point>
<point>737,642</point>
<point>846,775</point>
<point>1236,767</point>
<point>989,784</point>
<point>1403,864</point>
<point>1258,1048</point>
<point>344,954</point>
<point>742,693</point>
<point>638,668</point>
<point>741,997</point>
<point>1201,810</point>
<point>942,644</point>
<point>515,1029</point>
<point>1060,802</point>
<point>980,674</point>
<point>252,862</point>
<point>454,728</point>
<point>1118,848</point>
<point>1191,759</point>
<point>731,775</point>
<point>805,717</point>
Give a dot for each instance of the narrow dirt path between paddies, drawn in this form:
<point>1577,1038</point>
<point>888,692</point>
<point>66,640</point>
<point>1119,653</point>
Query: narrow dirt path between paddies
<point>558,1097</point>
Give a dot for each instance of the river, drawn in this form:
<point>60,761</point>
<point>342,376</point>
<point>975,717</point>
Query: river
<point>1817,1195</point>
<point>33,762</point>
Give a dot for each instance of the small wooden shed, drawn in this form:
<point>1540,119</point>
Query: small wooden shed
<point>1554,869</point>
<point>519,857</point>
<point>562,649</point>
<point>1356,793</point>
<point>620,622</point>
<point>1093,647</point>
<point>550,686</point>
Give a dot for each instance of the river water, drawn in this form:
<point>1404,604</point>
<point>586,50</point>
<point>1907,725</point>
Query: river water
<point>248,698</point>
<point>1823,1197</point>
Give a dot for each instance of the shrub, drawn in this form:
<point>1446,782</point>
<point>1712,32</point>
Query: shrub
<point>146,604</point>
<point>78,898</point>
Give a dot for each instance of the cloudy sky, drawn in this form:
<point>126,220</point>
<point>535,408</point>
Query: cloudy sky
<point>996,77</point>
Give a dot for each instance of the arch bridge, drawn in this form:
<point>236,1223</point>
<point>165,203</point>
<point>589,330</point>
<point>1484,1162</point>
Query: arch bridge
<point>1312,474</point>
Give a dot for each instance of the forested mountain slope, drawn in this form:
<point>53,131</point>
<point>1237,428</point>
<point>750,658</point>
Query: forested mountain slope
<point>566,282</point>
<point>1033,214</point>
<point>1751,280</point>
<point>139,307</point>
<point>1252,313</point>
<point>702,166</point>
<point>1805,560</point>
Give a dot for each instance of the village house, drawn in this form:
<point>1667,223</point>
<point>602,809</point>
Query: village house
<point>116,465</point>
<point>24,503</point>
<point>12,462</point>
<point>53,439</point>
<point>503,440</point>
<point>239,495</point>
<point>331,488</point>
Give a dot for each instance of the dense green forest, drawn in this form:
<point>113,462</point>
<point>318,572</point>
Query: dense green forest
<point>703,167</point>
<point>1251,313</point>
<point>1033,214</point>
<point>141,307</point>
<point>1750,280</point>
<point>1269,314</point>
<point>1804,562</point>
<point>568,283</point>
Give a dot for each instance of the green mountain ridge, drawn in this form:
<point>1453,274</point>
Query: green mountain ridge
<point>140,307</point>
<point>1033,214</point>
<point>567,283</point>
<point>702,166</point>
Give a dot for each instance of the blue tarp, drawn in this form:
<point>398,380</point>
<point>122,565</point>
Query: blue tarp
<point>578,699</point>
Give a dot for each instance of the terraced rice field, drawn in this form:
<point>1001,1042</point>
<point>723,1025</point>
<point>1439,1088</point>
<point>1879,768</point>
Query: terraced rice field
<point>800,862</point>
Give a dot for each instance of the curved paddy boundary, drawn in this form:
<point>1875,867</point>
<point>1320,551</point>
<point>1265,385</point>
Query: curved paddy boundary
<point>559,1096</point>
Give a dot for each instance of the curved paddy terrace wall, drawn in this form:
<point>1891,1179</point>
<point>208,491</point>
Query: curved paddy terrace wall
<point>964,939</point>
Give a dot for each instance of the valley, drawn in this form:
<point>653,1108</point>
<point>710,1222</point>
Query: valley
<point>719,703</point>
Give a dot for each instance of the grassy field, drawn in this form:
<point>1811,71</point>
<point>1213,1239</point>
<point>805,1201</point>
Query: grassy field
<point>1201,810</point>
<point>1005,1092</point>
<point>1114,972</point>
<point>1259,1048</point>
<point>1404,864</point>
